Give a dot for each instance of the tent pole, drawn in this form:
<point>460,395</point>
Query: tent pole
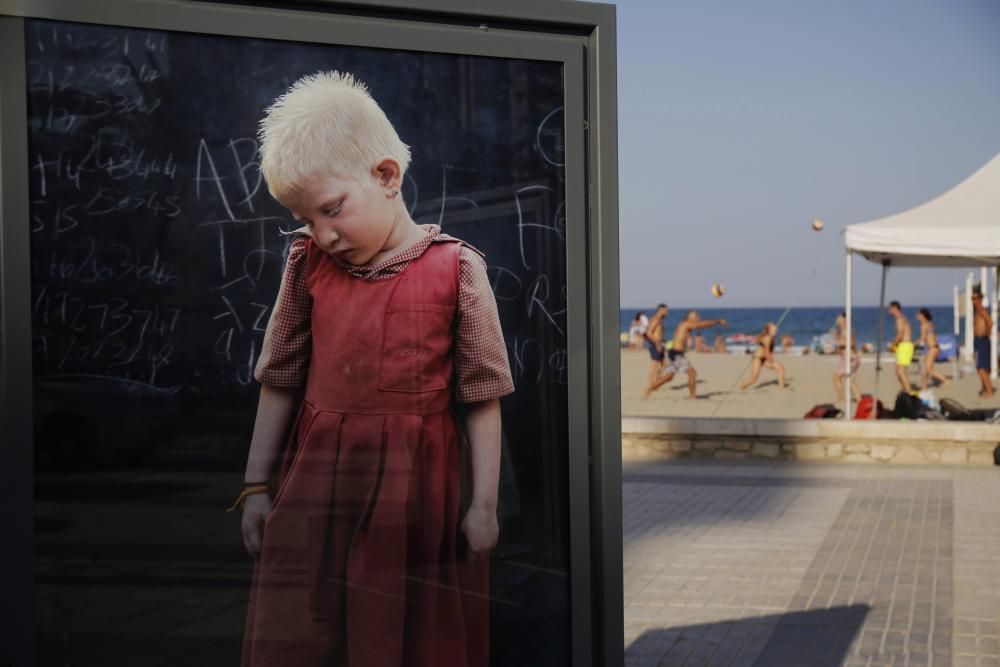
<point>849,378</point>
<point>957,318</point>
<point>969,355</point>
<point>881,330</point>
<point>993,332</point>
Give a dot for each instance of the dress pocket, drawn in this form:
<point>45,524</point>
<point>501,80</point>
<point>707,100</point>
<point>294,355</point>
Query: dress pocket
<point>416,346</point>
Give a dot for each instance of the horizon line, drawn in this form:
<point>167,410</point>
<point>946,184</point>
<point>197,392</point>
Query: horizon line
<point>813,307</point>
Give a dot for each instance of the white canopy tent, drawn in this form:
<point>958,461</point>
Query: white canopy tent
<point>960,228</point>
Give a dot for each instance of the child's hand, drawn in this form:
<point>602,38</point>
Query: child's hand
<point>481,532</point>
<point>255,510</point>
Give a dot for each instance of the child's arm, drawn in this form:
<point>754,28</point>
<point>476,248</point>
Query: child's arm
<point>275,411</point>
<point>480,523</point>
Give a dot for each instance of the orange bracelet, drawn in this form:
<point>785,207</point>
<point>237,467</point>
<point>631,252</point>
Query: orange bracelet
<point>248,491</point>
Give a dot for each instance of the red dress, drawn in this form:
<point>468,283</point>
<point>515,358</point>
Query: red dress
<point>361,562</point>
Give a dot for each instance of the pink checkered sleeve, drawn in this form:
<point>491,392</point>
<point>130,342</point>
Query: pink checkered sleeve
<point>284,356</point>
<point>482,369</point>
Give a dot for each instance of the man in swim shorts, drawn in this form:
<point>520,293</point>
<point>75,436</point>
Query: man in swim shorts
<point>902,345</point>
<point>982,325</point>
<point>678,361</point>
<point>653,342</point>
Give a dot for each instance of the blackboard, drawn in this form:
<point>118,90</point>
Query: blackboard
<point>156,253</point>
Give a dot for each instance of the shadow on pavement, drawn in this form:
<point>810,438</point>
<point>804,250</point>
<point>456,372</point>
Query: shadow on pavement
<point>816,637</point>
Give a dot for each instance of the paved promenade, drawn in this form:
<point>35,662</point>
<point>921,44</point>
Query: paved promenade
<point>794,564</point>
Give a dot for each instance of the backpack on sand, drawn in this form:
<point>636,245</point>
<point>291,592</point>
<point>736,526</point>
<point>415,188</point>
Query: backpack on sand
<point>823,411</point>
<point>909,406</point>
<point>865,406</point>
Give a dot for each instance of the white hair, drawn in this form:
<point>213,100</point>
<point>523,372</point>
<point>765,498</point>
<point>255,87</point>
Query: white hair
<point>326,123</point>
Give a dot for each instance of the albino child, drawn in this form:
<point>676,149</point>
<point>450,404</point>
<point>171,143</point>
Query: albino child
<point>367,553</point>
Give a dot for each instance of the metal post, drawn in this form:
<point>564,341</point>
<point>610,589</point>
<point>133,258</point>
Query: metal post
<point>881,325</point>
<point>956,373</point>
<point>993,332</point>
<point>849,378</point>
<point>969,354</point>
<point>881,337</point>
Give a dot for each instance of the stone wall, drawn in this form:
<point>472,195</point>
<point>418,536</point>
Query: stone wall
<point>814,441</point>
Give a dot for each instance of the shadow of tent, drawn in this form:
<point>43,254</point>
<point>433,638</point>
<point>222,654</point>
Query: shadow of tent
<point>815,638</point>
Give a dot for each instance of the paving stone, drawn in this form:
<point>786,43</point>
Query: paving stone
<point>874,549</point>
<point>768,450</point>
<point>883,452</point>
<point>909,454</point>
<point>955,455</point>
<point>810,451</point>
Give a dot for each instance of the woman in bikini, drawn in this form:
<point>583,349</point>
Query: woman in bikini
<point>763,356</point>
<point>928,338</point>
<point>840,329</point>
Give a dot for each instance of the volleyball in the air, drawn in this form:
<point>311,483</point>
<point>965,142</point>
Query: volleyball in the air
<point>718,290</point>
<point>818,225</point>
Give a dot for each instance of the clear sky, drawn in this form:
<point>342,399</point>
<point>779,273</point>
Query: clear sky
<point>741,122</point>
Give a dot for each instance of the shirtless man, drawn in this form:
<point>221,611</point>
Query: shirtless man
<point>902,345</point>
<point>982,325</point>
<point>678,362</point>
<point>653,342</point>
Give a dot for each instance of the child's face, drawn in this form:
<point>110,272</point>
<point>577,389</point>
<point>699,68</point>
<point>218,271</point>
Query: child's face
<point>351,221</point>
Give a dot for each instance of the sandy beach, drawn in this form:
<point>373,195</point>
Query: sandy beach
<point>810,380</point>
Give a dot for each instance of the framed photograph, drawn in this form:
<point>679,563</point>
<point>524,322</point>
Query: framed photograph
<point>177,253</point>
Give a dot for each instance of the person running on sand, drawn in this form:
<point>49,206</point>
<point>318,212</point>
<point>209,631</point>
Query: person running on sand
<point>902,345</point>
<point>840,332</point>
<point>928,338</point>
<point>763,356</point>
<point>678,362</point>
<point>981,327</point>
<point>654,345</point>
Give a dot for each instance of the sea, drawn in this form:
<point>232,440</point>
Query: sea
<point>806,325</point>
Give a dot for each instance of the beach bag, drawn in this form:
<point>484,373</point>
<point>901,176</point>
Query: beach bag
<point>823,411</point>
<point>954,410</point>
<point>865,406</point>
<point>929,399</point>
<point>909,406</point>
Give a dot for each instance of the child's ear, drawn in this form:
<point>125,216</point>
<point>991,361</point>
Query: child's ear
<point>388,173</point>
